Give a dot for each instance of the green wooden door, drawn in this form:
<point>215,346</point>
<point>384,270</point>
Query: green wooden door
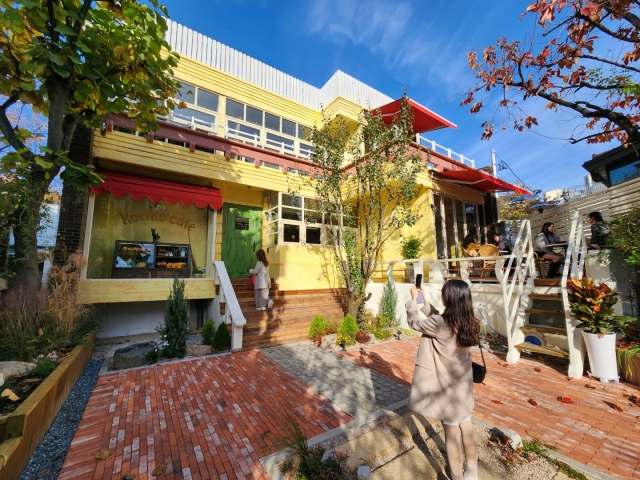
<point>241,238</point>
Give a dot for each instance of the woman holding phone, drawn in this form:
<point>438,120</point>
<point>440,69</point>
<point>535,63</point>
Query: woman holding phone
<point>442,384</point>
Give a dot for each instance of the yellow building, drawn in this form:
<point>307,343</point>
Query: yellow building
<point>213,185</point>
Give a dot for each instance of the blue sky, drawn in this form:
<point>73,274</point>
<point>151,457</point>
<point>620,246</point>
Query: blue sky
<point>420,46</point>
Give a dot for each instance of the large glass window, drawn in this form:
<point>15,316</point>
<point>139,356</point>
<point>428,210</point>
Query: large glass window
<point>279,142</point>
<point>131,220</point>
<point>272,122</point>
<point>624,173</point>
<point>207,100</point>
<point>454,219</point>
<point>254,115</point>
<point>235,109</point>
<point>187,93</point>
<point>243,133</point>
<point>440,240</point>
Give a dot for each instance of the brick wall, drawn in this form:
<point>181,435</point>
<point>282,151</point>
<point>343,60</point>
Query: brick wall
<point>73,208</point>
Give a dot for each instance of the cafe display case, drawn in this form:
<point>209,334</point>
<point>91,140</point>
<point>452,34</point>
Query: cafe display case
<point>150,260</point>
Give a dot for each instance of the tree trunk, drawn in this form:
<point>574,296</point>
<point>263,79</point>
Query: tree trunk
<point>355,302</point>
<point>25,228</point>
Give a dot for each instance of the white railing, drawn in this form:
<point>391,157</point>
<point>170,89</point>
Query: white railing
<point>232,313</point>
<point>521,283</point>
<point>446,151</point>
<point>573,268</point>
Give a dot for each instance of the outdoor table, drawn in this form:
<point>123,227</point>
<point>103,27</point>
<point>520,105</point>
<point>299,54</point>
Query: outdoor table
<point>562,245</point>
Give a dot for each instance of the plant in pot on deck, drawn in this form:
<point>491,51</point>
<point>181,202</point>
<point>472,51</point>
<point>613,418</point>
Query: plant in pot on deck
<point>629,353</point>
<point>592,307</point>
<point>410,249</point>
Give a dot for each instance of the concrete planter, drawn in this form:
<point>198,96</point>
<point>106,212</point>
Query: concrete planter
<point>630,371</point>
<point>22,430</point>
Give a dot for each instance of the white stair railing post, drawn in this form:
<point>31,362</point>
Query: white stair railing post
<point>232,313</point>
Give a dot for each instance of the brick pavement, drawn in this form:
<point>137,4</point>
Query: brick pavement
<point>587,430</point>
<point>353,389</point>
<point>213,417</point>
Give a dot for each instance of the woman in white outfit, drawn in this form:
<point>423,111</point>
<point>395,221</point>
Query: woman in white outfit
<point>262,281</point>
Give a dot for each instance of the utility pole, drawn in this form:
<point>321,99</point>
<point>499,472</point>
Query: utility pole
<point>495,194</point>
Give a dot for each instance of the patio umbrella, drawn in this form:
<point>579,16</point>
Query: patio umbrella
<point>539,207</point>
<point>523,198</point>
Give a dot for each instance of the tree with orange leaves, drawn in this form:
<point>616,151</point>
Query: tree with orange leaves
<point>572,65</point>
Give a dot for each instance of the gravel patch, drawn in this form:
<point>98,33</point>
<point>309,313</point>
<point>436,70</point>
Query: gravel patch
<point>53,448</point>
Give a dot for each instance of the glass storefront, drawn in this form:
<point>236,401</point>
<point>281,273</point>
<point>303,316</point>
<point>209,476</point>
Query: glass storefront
<point>454,219</point>
<point>182,233</point>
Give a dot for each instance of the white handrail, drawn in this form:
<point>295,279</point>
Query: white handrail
<point>573,267</point>
<point>232,312</point>
<point>447,151</point>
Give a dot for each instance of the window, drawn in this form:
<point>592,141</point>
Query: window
<point>194,117</point>
<point>187,93</point>
<point>625,172</point>
<point>243,133</point>
<point>306,150</point>
<point>272,122</point>
<point>288,127</point>
<point>304,133</point>
<point>207,100</point>
<point>299,220</point>
<point>242,223</point>
<point>279,142</point>
<point>254,115</point>
<point>235,109</point>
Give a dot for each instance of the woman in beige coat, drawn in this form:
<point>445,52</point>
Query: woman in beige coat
<point>262,281</point>
<point>442,384</point>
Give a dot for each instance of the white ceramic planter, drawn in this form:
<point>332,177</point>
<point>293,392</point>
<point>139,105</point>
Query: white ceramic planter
<point>602,356</point>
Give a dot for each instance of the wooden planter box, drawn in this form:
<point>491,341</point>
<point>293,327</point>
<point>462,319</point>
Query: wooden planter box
<point>22,430</point>
<point>634,376</point>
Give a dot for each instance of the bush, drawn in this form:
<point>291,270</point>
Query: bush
<point>349,327</point>
<point>389,304</point>
<point>411,247</point>
<point>222,339</point>
<point>208,332</point>
<point>348,340</point>
<point>45,365</point>
<point>317,326</point>
<point>363,337</point>
<point>331,328</point>
<point>175,328</point>
<point>383,334</point>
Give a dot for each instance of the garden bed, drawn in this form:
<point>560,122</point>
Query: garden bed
<point>22,429</point>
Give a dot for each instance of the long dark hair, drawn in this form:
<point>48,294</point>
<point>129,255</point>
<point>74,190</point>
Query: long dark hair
<point>262,256</point>
<point>468,240</point>
<point>545,229</point>
<point>458,313</point>
<point>597,216</point>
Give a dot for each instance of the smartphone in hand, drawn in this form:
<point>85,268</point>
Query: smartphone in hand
<point>420,298</point>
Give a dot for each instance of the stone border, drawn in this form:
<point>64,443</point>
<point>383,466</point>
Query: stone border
<point>27,425</point>
<point>104,370</point>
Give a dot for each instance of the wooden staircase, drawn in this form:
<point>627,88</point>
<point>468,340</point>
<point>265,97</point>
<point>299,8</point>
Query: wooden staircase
<point>546,316</point>
<point>289,319</point>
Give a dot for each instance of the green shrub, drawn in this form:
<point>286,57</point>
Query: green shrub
<point>44,367</point>
<point>221,340</point>
<point>175,328</point>
<point>349,327</point>
<point>317,326</point>
<point>411,247</point>
<point>331,327</point>
<point>383,334</point>
<point>389,304</point>
<point>208,332</point>
<point>348,340</point>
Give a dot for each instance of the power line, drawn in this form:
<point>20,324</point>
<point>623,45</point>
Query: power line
<point>504,165</point>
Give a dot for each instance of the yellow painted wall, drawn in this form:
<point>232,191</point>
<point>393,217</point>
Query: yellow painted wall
<point>303,268</point>
<point>136,290</point>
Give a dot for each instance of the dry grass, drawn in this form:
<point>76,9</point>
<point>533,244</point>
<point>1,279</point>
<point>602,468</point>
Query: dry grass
<point>38,322</point>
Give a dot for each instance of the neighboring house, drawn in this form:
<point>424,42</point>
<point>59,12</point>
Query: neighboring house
<point>571,193</point>
<point>616,166</point>
<point>214,184</point>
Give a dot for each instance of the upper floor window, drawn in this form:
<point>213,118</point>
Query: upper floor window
<point>199,97</point>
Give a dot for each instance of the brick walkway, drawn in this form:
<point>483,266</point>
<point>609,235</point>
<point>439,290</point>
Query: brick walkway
<point>587,430</point>
<point>350,388</point>
<point>206,418</point>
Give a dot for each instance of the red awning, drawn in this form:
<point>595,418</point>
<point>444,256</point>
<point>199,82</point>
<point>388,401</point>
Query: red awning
<point>424,120</point>
<point>120,184</point>
<point>480,181</point>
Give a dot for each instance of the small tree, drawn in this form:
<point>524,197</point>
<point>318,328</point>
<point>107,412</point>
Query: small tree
<point>222,340</point>
<point>389,304</point>
<point>208,332</point>
<point>366,183</point>
<point>349,327</point>
<point>317,326</point>
<point>175,328</point>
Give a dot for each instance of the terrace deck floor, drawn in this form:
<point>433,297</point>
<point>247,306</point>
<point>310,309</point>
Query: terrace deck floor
<point>588,430</point>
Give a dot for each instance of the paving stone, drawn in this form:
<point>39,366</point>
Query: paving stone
<point>412,465</point>
<point>367,448</point>
<point>411,424</point>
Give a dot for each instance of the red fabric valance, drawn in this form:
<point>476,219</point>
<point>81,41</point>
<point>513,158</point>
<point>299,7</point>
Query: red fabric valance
<point>120,184</point>
<point>424,120</point>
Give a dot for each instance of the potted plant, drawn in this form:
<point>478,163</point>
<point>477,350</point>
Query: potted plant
<point>592,307</point>
<point>629,353</point>
<point>198,272</point>
<point>410,249</point>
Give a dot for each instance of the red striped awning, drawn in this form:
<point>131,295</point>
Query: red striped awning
<point>480,181</point>
<point>137,187</point>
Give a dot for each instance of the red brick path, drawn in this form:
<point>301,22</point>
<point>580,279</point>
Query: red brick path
<point>587,430</point>
<point>206,418</point>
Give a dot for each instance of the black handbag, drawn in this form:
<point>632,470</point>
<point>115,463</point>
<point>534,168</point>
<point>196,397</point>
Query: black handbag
<point>479,371</point>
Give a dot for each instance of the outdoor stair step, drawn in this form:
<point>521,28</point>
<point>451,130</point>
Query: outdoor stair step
<point>249,288</point>
<point>546,282</point>
<point>544,312</point>
<point>299,300</point>
<point>290,293</point>
<point>273,338</point>
<point>309,311</point>
<point>555,297</point>
<point>544,329</point>
<point>277,323</point>
<point>543,350</point>
<point>271,342</point>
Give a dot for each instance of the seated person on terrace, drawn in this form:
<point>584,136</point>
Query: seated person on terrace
<point>470,246</point>
<point>599,231</point>
<point>540,246</point>
<point>555,237</point>
<point>500,242</point>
